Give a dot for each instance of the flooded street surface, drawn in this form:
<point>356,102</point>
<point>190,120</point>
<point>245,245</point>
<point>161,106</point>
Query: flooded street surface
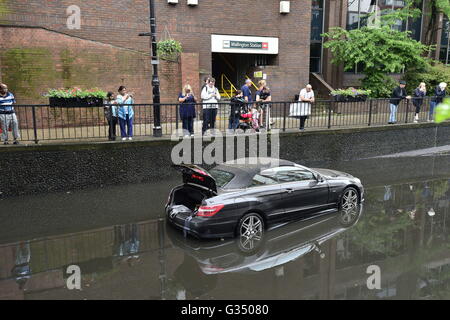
<point>125,250</point>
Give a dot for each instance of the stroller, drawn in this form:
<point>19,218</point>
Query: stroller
<point>245,119</point>
<point>249,119</point>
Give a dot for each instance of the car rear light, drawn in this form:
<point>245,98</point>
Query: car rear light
<point>209,211</point>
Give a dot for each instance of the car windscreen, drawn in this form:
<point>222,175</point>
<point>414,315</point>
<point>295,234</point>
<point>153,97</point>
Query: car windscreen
<point>221,177</point>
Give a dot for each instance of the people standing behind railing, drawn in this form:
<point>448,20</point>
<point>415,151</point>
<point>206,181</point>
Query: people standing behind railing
<point>125,113</point>
<point>111,115</point>
<point>263,97</point>
<point>439,95</point>
<point>210,96</point>
<point>8,118</point>
<point>187,110</point>
<point>237,106</point>
<point>419,93</point>
<point>398,94</point>
<point>302,109</point>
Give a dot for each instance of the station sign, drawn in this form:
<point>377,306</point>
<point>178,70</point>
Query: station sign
<point>244,44</point>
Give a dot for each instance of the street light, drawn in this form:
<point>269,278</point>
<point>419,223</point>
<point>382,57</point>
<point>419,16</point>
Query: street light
<point>157,131</point>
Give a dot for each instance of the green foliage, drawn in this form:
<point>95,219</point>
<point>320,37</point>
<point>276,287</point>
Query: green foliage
<point>443,111</point>
<point>432,75</point>
<point>169,49</point>
<point>28,69</point>
<point>351,92</point>
<point>76,93</point>
<point>442,6</point>
<point>381,85</point>
<point>380,50</point>
<point>3,8</point>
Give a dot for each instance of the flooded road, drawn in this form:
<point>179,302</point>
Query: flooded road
<point>125,250</point>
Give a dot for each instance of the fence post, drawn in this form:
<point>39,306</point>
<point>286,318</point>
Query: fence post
<point>370,112</point>
<point>33,111</point>
<point>330,107</point>
<point>407,110</point>
<point>284,116</point>
<point>176,116</point>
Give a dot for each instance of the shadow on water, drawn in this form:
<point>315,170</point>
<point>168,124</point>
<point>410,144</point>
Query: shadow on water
<point>125,252</point>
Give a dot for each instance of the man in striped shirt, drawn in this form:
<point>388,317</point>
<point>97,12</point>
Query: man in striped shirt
<point>8,118</point>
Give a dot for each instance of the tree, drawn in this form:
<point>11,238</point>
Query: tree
<point>380,50</point>
<point>436,8</point>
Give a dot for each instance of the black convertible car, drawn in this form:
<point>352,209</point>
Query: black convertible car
<point>243,197</point>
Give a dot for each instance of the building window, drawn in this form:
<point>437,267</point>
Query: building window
<point>316,49</point>
<point>444,55</point>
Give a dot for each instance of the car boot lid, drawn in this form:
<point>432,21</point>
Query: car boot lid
<point>195,175</point>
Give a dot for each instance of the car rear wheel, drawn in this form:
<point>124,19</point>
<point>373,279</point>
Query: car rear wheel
<point>250,232</point>
<point>349,199</point>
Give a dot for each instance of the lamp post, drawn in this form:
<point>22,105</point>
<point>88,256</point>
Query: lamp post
<point>157,130</point>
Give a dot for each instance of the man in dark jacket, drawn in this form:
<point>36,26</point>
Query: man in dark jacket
<point>439,95</point>
<point>398,94</point>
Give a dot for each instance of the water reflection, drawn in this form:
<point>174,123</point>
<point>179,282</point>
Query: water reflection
<point>404,230</point>
<point>278,247</point>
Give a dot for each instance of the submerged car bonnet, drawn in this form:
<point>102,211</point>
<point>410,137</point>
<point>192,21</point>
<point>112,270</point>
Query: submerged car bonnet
<point>195,175</point>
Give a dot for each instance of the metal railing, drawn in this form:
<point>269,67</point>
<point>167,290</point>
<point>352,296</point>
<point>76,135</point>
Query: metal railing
<point>48,123</point>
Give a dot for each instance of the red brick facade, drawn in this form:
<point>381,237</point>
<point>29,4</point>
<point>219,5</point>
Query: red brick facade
<point>109,47</point>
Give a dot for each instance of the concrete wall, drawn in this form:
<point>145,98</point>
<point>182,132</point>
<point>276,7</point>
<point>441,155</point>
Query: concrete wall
<point>51,168</point>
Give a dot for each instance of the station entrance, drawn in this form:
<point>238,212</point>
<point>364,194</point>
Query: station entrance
<point>231,69</point>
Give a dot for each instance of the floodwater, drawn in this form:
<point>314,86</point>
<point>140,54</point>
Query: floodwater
<point>118,238</point>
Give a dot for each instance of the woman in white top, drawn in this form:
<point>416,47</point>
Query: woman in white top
<point>210,96</point>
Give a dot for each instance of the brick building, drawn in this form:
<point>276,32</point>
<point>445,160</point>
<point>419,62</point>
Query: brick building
<point>41,46</point>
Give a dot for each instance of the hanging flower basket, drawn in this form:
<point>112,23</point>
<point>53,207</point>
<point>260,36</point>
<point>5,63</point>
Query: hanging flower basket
<point>169,49</point>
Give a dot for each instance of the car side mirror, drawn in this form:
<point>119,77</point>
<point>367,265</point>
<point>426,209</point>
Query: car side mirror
<point>318,177</point>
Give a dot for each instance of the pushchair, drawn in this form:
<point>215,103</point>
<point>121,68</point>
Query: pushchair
<point>245,119</point>
<point>249,119</point>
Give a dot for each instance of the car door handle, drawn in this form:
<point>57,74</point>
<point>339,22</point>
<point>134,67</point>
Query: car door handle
<point>289,190</point>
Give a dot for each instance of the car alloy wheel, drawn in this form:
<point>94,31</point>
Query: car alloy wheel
<point>349,199</point>
<point>251,231</point>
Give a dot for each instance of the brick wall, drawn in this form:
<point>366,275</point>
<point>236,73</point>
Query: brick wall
<point>190,72</point>
<point>34,60</point>
<point>118,23</point>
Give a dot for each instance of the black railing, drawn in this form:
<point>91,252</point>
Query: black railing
<point>48,123</point>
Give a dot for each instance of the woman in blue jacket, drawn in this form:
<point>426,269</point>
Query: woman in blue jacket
<point>187,110</point>
<point>125,113</point>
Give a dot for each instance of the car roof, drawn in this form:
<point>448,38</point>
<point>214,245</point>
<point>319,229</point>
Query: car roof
<point>244,169</point>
